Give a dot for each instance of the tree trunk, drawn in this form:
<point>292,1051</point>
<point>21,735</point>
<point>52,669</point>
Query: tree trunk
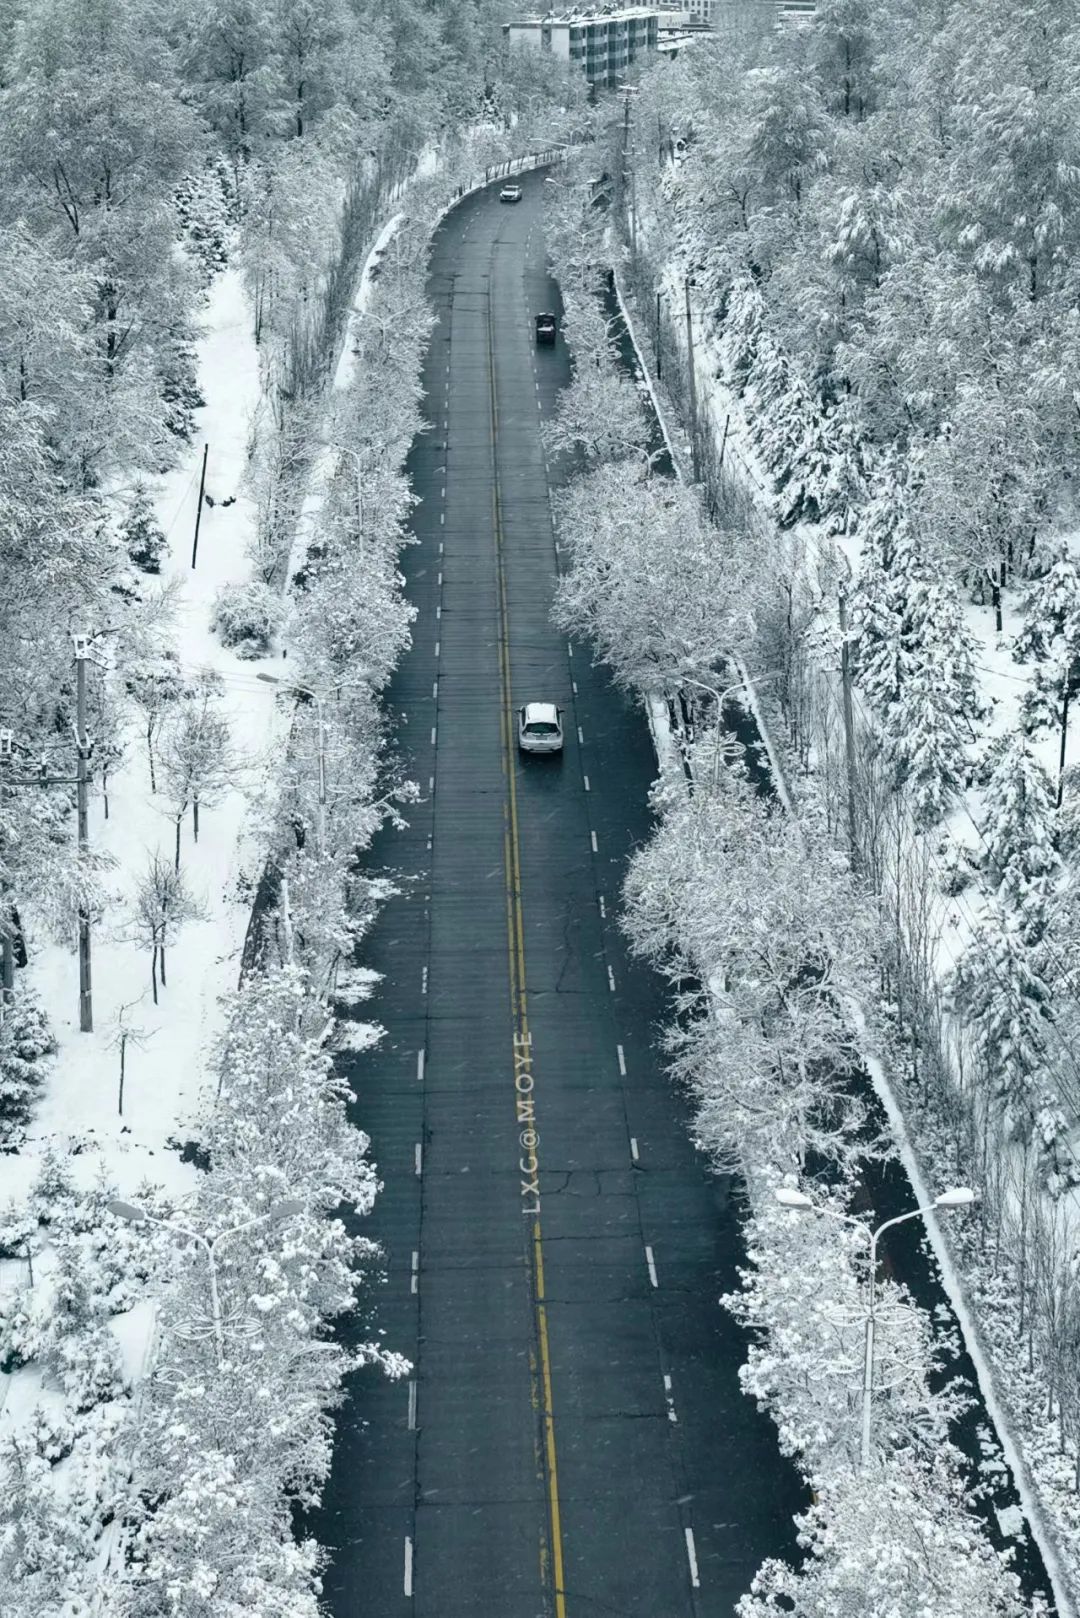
<point>161,955</point>
<point>123,1063</point>
<point>176,849</point>
<point>195,815</point>
<point>153,972</point>
<point>150,753</point>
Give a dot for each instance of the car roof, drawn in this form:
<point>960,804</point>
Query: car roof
<point>541,713</point>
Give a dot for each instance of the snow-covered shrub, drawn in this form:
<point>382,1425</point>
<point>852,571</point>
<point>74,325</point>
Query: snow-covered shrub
<point>21,1337</point>
<point>88,1365</point>
<point>51,1432</point>
<point>18,1227</point>
<point>26,1047</point>
<point>141,533</point>
<point>247,616</point>
<point>52,1195</point>
<point>45,1538</point>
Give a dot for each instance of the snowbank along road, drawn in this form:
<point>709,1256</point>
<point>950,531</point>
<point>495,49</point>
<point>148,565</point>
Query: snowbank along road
<point>573,1439</point>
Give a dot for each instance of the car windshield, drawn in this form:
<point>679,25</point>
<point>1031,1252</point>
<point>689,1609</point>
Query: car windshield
<point>542,727</point>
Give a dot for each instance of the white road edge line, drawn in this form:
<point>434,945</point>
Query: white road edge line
<point>622,1060</point>
<point>418,1158</point>
<point>651,1262</point>
<point>412,1405</point>
<point>633,1148</point>
<point>692,1554</point>
<point>408,1566</point>
<point>420,1067</point>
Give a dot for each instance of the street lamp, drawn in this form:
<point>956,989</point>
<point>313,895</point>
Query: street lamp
<point>720,697</point>
<point>318,696</point>
<point>354,455</point>
<point>960,1196</point>
<point>274,1215</point>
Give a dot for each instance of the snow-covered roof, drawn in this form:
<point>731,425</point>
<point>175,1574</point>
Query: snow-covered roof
<point>541,713</point>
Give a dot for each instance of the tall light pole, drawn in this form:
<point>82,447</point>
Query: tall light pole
<point>960,1196</point>
<point>354,456</point>
<point>274,1215</point>
<point>720,697</point>
<point>318,696</point>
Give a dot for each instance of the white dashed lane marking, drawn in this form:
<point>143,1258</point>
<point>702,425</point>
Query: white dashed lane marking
<point>592,839</point>
<point>633,1148</point>
<point>651,1262</point>
<point>622,1060</point>
<point>692,1554</point>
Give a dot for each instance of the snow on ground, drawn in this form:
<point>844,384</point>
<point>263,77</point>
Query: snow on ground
<point>163,1078</point>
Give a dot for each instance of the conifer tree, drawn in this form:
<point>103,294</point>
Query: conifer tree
<point>1019,827</point>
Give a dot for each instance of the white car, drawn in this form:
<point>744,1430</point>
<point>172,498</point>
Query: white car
<point>510,193</point>
<point>540,728</point>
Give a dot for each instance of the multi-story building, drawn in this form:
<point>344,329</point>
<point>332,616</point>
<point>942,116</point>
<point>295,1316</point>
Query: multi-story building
<point>603,42</point>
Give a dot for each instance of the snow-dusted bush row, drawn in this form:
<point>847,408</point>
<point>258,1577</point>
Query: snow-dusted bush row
<point>762,933</point>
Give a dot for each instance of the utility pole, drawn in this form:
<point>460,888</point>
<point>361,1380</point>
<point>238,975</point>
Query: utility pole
<point>82,745</point>
<point>659,354</point>
<point>695,449</point>
<point>198,511</point>
<point>7,929</point>
<point>321,822</point>
<point>849,725</point>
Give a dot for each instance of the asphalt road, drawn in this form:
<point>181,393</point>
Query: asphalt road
<point>573,1439</point>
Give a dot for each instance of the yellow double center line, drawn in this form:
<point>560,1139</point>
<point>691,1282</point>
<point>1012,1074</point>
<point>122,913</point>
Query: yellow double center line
<point>524,1080</point>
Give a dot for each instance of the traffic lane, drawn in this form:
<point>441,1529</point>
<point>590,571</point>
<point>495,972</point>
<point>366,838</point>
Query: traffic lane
<point>480,1512</point>
<point>441,1467</point>
<point>684,1216</point>
<point>624,1538</point>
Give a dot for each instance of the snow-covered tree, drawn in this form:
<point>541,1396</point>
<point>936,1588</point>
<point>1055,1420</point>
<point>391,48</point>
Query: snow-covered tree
<point>198,761</point>
<point>141,533</point>
<point>900,1540</point>
<point>162,906</point>
<point>1004,1002</point>
<point>1019,827</point>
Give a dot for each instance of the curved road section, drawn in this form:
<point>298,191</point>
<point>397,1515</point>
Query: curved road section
<point>573,1440</point>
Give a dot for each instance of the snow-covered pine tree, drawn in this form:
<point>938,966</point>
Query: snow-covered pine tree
<point>26,1045</point>
<point>1019,826</point>
<point>1051,608</point>
<point>141,533</point>
<point>742,332</point>
<point>997,991</point>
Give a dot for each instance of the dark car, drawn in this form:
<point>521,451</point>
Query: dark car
<point>545,329</point>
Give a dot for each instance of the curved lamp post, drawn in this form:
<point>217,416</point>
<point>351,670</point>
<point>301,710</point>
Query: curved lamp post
<point>960,1196</point>
<point>274,1215</point>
